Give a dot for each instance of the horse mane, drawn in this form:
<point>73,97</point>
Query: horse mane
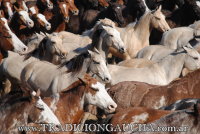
<point>40,48</point>
<point>76,63</point>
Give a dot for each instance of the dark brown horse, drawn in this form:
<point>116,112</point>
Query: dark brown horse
<point>20,21</point>
<point>40,24</point>
<point>58,17</point>
<point>21,4</point>
<point>44,4</point>
<point>7,7</point>
<point>8,40</point>
<point>113,12</point>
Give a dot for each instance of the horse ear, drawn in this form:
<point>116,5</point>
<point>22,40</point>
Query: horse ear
<point>159,8</point>
<point>188,47</point>
<point>38,93</point>
<point>90,52</point>
<point>83,81</point>
<point>95,50</point>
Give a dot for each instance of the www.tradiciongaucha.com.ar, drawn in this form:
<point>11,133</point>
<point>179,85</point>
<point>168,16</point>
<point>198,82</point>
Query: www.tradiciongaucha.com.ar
<point>102,128</point>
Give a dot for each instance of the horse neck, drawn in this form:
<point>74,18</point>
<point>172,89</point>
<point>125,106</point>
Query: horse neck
<point>172,65</point>
<point>143,28</point>
<point>72,102</point>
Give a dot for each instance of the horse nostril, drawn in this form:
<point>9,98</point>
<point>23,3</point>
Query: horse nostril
<point>29,23</point>
<point>121,50</point>
<point>111,107</point>
<point>24,49</point>
<point>106,79</point>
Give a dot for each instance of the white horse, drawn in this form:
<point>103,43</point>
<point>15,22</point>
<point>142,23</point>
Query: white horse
<point>161,73</point>
<point>136,36</point>
<point>52,79</point>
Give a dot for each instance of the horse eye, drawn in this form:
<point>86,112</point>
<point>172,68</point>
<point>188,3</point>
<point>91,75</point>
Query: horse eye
<point>96,89</point>
<point>157,18</point>
<point>95,62</point>
<point>40,107</point>
<point>196,58</point>
<point>53,42</point>
<point>111,35</point>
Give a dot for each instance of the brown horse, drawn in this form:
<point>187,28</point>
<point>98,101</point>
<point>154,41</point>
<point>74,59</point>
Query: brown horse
<point>70,107</point>
<point>44,4</point>
<point>8,40</point>
<point>132,94</point>
<point>40,22</point>
<point>72,7</point>
<point>18,110</point>
<point>58,16</point>
<point>21,4</point>
<point>7,7</point>
<point>20,21</point>
<point>131,116</point>
<point>180,122</point>
<point>103,3</point>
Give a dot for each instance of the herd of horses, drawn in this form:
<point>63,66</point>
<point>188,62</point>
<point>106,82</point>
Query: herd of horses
<point>110,62</point>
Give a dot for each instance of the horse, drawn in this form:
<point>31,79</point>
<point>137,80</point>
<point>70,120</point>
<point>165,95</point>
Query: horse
<point>73,99</point>
<point>46,47</point>
<point>133,10</point>
<point>160,73</point>
<point>58,16</point>
<point>40,22</point>
<point>139,32</point>
<point>136,63</point>
<point>167,4</point>
<point>44,4</point>
<point>183,121</point>
<point>20,21</point>
<point>40,47</point>
<point>139,94</point>
<point>103,38</point>
<point>187,103</point>
<point>89,62</point>
<point>18,110</point>
<point>7,7</point>
<point>113,12</point>
<point>131,116</point>
<point>21,4</point>
<point>9,41</point>
<point>103,3</point>
<point>72,7</point>
<point>174,40</point>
